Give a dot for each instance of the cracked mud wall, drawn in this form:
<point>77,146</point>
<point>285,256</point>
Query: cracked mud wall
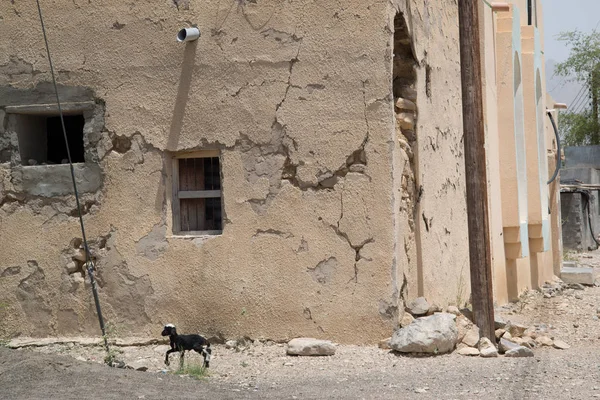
<point>297,96</point>
<point>432,245</point>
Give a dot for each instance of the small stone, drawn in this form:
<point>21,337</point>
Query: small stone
<point>453,310</point>
<point>404,104</point>
<point>409,93</point>
<point>358,168</point>
<point>468,351</point>
<point>544,341</point>
<point>72,267</point>
<point>231,344</point>
<point>418,306</point>
<point>32,162</point>
<point>472,337</point>
<point>420,390</point>
<point>310,347</point>
<point>516,329</point>
<point>559,344</point>
<point>385,344</point>
<point>406,320</point>
<point>80,255</point>
<point>80,358</point>
<point>406,120</point>
<point>519,352</point>
<point>487,349</point>
<point>499,333</point>
<point>506,345</point>
<point>138,365</point>
<point>579,297</point>
<point>434,308</point>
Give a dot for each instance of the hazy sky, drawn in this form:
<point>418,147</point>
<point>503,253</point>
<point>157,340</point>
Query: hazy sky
<point>567,15</point>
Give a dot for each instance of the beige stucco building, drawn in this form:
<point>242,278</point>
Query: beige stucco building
<point>296,171</point>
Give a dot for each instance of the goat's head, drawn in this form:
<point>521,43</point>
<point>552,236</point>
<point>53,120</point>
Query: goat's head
<point>169,330</point>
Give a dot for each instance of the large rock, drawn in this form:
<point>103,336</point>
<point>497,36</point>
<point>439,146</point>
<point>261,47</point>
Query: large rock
<point>310,347</point>
<point>418,306</point>
<point>519,352</point>
<point>436,334</point>
<point>487,349</point>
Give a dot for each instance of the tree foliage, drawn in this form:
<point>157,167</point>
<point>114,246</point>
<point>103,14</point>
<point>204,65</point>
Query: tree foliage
<point>575,129</point>
<point>583,65</point>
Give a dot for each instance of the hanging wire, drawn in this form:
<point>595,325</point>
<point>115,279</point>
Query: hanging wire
<point>89,264</point>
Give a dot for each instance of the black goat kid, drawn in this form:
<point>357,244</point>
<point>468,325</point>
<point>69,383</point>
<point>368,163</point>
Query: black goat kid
<point>181,343</point>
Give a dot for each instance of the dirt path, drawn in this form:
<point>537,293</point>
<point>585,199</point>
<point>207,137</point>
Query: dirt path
<point>354,373</point>
<point>262,370</point>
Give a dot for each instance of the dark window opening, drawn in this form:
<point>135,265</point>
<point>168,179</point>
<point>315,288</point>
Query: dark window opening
<point>532,17</point>
<point>41,139</point>
<point>199,195</point>
<point>57,150</point>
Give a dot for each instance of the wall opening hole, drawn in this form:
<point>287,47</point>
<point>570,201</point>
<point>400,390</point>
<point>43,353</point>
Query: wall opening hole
<point>41,139</point>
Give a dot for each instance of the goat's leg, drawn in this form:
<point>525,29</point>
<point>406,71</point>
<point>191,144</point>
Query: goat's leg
<point>167,355</point>
<point>182,354</point>
<point>205,353</point>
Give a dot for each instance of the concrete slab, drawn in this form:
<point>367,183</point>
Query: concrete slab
<point>570,264</point>
<point>582,275</point>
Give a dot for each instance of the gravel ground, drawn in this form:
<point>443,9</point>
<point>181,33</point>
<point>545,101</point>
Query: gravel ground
<point>262,370</point>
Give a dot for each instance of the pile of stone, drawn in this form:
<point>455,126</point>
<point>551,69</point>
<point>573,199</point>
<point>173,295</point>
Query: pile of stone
<point>424,328</point>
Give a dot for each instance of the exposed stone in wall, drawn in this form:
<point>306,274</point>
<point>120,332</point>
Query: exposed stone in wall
<point>122,294</point>
<point>405,97</point>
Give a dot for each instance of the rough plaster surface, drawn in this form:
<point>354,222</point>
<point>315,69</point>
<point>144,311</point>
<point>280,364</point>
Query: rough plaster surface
<point>298,98</point>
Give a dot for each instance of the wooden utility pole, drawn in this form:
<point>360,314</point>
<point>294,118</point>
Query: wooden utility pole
<point>475,164</point>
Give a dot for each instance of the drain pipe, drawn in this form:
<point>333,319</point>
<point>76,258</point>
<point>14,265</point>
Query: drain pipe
<point>188,34</point>
<point>558,149</point>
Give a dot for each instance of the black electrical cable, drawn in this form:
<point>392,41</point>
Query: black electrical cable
<point>89,263</point>
<point>558,161</point>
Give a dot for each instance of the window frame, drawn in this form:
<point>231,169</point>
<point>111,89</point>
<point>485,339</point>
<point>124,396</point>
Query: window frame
<point>193,194</point>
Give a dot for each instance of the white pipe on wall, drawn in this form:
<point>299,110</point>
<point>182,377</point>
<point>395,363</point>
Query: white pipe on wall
<point>188,34</point>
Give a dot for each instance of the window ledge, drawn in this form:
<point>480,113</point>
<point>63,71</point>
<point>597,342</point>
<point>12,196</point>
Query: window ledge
<point>195,235</point>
